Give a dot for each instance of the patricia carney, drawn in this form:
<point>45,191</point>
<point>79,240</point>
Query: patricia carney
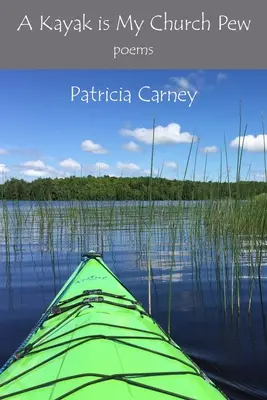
<point>145,94</point>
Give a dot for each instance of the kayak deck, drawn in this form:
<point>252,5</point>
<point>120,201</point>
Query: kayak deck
<point>96,341</point>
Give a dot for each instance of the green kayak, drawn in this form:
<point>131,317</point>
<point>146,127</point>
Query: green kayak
<point>96,341</point>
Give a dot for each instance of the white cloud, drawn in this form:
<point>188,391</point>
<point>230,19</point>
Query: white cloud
<point>131,146</point>
<point>259,176</point>
<point>39,169</point>
<point>209,149</point>
<point>3,168</point>
<point>169,134</point>
<point>155,172</point>
<point>38,165</point>
<point>195,81</point>
<point>147,171</point>
<point>221,77</point>
<point>101,165</point>
<point>34,164</point>
<point>170,164</point>
<point>91,147</point>
<point>250,143</point>
<point>70,164</point>
<point>34,173</point>
<point>3,151</point>
<point>129,166</point>
<point>183,83</point>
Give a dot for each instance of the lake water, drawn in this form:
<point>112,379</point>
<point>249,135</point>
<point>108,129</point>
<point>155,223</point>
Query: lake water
<point>232,350</point>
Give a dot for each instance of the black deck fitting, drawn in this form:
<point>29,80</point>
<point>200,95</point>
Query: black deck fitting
<point>92,254</point>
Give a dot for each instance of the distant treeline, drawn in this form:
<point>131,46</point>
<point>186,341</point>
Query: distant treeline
<point>113,188</point>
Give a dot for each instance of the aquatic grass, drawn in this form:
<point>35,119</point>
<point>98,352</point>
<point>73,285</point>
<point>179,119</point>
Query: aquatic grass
<point>173,237</point>
<point>5,226</point>
<point>149,267</point>
<point>207,225</point>
<point>222,237</point>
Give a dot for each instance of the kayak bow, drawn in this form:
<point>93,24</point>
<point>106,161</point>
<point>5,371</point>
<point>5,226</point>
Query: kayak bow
<point>96,341</point>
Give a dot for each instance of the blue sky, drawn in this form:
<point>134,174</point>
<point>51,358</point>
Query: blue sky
<point>44,133</point>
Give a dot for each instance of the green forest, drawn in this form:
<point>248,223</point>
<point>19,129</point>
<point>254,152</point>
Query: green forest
<point>125,188</point>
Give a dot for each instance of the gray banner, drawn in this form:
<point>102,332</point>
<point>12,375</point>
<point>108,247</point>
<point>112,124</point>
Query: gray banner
<point>139,34</point>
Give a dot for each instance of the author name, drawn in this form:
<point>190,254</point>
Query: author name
<point>145,94</point>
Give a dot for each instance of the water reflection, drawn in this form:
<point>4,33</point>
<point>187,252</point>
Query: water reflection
<point>38,255</point>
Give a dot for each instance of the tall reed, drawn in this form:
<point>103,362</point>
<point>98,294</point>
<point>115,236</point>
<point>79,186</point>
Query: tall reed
<point>150,217</point>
